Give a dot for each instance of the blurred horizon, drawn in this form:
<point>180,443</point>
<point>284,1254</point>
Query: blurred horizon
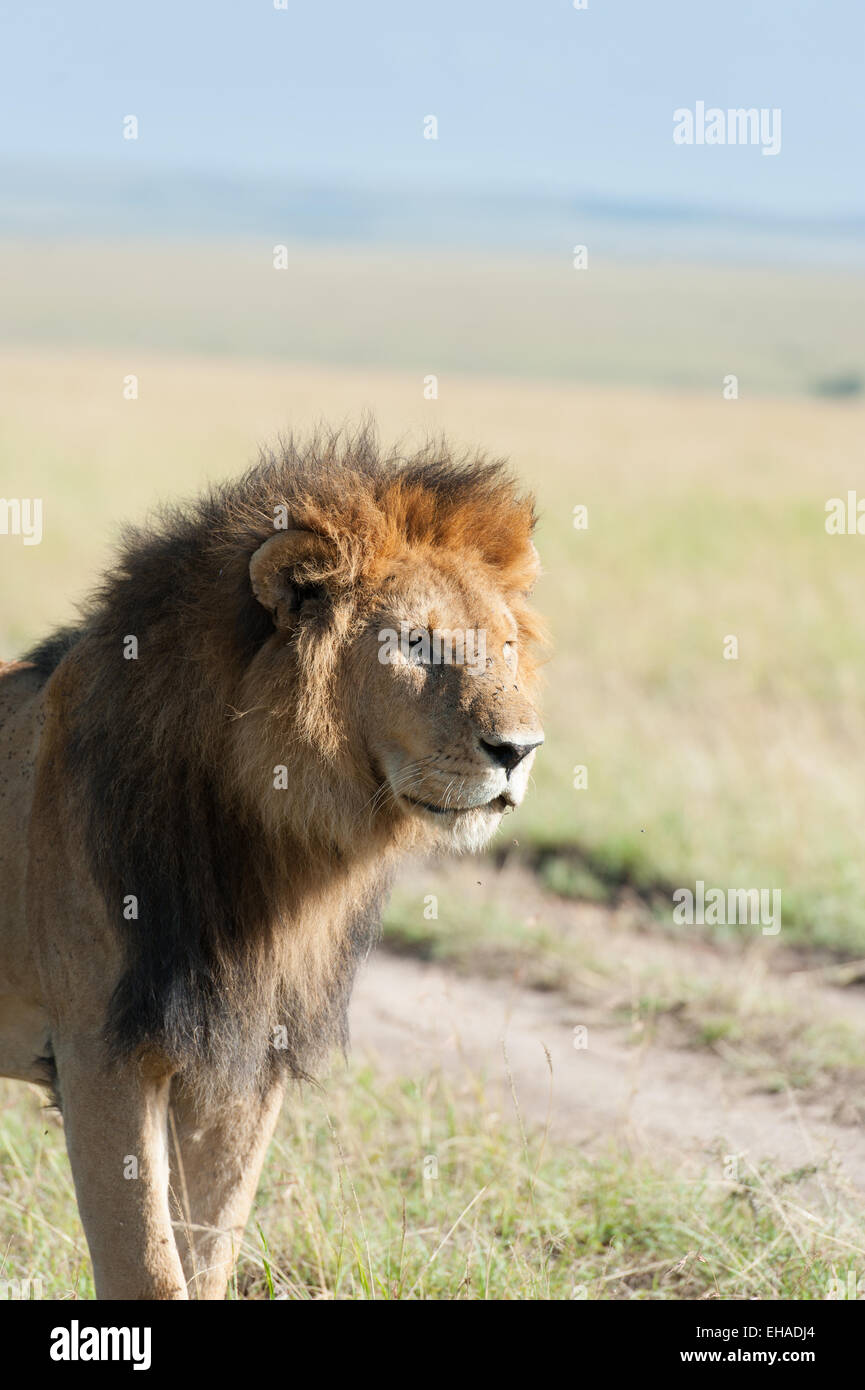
<point>108,199</point>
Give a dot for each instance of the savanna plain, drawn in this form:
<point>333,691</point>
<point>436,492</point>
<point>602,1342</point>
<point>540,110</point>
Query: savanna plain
<point>554,1089</point>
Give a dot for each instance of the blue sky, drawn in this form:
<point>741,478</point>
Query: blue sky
<point>528,96</point>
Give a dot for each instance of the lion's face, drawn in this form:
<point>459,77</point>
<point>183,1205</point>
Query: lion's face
<point>409,672</point>
<point>447,726</point>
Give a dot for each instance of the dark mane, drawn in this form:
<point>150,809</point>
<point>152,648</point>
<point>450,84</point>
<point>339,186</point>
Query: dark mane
<point>47,655</point>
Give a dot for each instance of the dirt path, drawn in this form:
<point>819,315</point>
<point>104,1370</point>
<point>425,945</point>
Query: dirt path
<point>678,1103</point>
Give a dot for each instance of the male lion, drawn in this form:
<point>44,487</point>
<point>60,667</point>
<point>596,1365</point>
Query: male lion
<point>203,788</point>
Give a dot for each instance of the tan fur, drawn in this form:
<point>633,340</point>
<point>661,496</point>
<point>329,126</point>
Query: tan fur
<point>259,650</point>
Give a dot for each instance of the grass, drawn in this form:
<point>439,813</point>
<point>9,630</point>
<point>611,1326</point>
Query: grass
<point>765,1038</point>
<point>446,313</point>
<point>420,1190</point>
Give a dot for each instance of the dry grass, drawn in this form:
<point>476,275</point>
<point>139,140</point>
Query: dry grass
<point>449,312</point>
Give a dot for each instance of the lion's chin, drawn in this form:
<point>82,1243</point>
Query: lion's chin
<point>474,830</point>
<point>463,831</point>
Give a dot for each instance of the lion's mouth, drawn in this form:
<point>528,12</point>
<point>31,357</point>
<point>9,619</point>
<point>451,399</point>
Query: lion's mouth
<point>498,803</point>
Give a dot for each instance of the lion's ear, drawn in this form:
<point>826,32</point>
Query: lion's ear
<point>288,569</point>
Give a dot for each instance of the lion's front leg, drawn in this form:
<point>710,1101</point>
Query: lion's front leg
<point>115,1122</point>
<point>216,1157</point>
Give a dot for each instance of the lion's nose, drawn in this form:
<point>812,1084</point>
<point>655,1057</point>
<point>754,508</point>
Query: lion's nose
<point>508,753</point>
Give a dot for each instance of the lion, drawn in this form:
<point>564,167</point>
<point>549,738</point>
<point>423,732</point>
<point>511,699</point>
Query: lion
<point>205,785</point>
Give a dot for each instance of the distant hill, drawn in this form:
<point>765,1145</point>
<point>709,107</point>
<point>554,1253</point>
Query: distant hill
<point>127,199</point>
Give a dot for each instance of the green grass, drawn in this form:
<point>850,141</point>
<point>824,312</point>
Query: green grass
<point>486,937</point>
<point>42,1237</point>
<point>421,1190</point>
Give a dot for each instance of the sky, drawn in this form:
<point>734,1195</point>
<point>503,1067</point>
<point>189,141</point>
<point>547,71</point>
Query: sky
<point>529,97</point>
